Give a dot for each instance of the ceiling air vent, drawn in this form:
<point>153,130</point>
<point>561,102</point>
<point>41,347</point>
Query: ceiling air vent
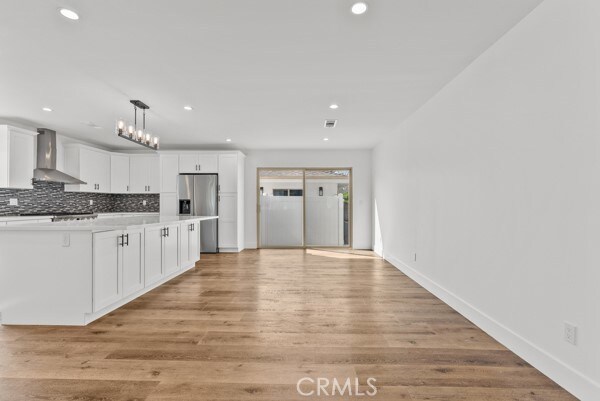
<point>330,123</point>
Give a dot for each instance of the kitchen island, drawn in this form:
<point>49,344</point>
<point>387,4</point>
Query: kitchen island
<point>73,272</point>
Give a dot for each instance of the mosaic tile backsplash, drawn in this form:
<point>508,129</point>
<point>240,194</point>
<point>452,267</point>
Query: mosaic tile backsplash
<point>50,198</point>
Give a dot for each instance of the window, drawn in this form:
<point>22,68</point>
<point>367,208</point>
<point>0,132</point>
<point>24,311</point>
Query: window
<point>280,192</point>
<point>295,192</point>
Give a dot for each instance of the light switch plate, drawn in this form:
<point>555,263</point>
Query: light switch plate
<point>13,202</point>
<point>91,202</point>
<point>570,333</point>
<point>144,203</point>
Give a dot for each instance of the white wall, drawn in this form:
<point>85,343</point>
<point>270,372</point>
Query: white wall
<point>359,160</point>
<point>495,185</point>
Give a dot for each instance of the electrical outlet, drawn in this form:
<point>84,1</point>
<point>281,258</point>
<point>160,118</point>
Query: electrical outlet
<point>13,202</point>
<point>570,333</point>
<point>91,202</point>
<point>144,203</point>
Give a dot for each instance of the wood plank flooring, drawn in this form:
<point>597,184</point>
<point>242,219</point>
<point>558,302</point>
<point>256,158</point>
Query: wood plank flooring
<point>248,326</point>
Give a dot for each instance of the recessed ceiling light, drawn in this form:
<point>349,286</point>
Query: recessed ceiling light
<point>188,108</point>
<point>228,140</point>
<point>70,14</point>
<point>46,109</point>
<point>359,8</point>
<point>325,139</point>
<point>334,106</point>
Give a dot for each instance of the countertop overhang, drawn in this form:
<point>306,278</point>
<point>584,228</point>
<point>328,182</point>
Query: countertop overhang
<point>106,224</point>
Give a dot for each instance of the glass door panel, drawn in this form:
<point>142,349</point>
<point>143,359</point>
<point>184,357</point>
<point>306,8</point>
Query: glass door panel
<point>327,208</point>
<point>281,208</point>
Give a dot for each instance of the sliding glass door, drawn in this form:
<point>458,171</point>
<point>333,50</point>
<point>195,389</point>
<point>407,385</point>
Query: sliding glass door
<point>304,207</point>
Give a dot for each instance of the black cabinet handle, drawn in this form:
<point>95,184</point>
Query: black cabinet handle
<point>127,239</point>
<point>120,240</point>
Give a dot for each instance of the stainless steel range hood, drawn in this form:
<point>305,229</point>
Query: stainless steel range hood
<point>46,160</point>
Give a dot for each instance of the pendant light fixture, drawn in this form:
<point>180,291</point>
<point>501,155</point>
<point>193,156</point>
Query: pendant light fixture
<point>132,133</point>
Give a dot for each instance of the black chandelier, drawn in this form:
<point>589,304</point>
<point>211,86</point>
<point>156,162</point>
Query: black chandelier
<point>131,131</point>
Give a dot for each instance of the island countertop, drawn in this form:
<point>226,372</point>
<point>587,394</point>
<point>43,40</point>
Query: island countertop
<point>105,224</point>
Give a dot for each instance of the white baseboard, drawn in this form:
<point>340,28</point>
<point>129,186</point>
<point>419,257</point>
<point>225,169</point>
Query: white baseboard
<point>251,245</point>
<point>572,380</point>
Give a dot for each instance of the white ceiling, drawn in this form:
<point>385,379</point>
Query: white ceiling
<point>261,72</point>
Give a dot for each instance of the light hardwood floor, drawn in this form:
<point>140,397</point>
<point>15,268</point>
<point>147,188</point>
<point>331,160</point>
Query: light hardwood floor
<point>248,326</point>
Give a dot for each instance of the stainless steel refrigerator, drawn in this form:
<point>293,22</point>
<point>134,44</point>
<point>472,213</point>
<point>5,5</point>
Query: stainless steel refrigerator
<point>198,196</point>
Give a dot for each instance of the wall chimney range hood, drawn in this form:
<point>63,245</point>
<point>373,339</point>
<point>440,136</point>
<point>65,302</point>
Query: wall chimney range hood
<point>46,160</point>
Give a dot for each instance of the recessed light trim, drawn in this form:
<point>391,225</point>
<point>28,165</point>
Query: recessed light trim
<point>70,14</point>
<point>325,139</point>
<point>46,109</point>
<point>228,140</point>
<point>359,8</point>
<point>188,108</point>
<point>334,106</point>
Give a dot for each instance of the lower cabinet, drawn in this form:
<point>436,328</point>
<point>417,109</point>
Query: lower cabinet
<point>126,262</point>
<point>118,265</point>
<point>133,261</point>
<point>190,243</point>
<point>162,252</point>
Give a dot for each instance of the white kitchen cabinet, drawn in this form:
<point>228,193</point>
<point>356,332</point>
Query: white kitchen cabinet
<point>90,165</point>
<point>119,173</point>
<point>228,220</point>
<point>228,172</point>
<point>162,252</point>
<point>169,171</point>
<point>190,163</point>
<point>231,202</point>
<point>168,204</point>
<point>190,244</point>
<point>107,261</point>
<point>153,254</point>
<point>17,157</point>
<point>118,266</point>
<point>171,249</point>
<point>144,174</point>
<point>133,261</point>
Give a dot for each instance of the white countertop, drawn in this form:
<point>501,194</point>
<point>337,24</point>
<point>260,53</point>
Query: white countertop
<point>106,224</point>
<point>49,216</point>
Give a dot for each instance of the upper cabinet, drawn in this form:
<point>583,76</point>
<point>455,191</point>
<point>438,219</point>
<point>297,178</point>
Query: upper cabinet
<point>119,173</point>
<point>90,165</point>
<point>144,174</point>
<point>169,171</point>
<point>17,151</point>
<point>228,172</point>
<point>197,163</point>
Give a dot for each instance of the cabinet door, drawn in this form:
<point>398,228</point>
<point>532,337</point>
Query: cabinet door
<point>194,242</point>
<point>138,174</point>
<point>169,170</point>
<point>103,173</point>
<point>21,165</point>
<point>208,163</point>
<point>107,284</point>
<point>188,164</point>
<point>168,204</point>
<point>228,173</point>
<point>133,262</point>
<point>228,220</point>
<point>153,179</point>
<point>89,162</point>
<point>119,174</point>
<point>171,249</point>
<point>184,249</point>
<point>153,255</point>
